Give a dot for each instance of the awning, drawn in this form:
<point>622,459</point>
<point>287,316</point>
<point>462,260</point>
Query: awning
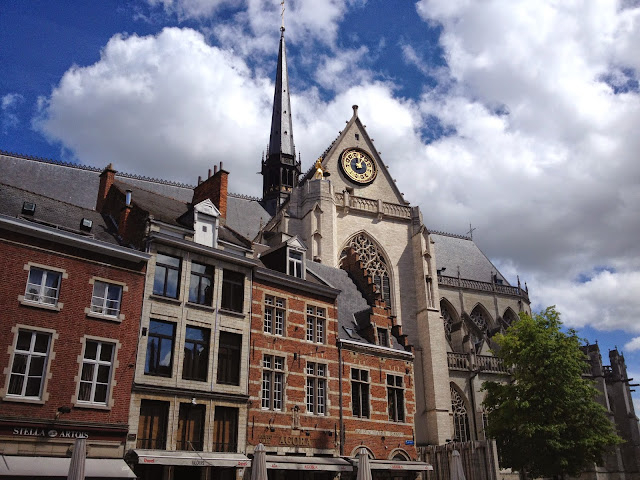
<point>334,464</point>
<point>396,465</point>
<point>196,459</point>
<point>59,467</point>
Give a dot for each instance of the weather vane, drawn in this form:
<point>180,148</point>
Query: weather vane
<point>282,14</point>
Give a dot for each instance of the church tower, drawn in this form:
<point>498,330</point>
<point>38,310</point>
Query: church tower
<point>280,170</point>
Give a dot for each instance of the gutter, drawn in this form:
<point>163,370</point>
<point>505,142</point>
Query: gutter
<point>72,240</point>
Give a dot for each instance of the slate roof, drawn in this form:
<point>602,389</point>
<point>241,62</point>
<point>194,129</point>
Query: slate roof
<point>453,251</point>
<point>55,214</point>
<point>78,185</point>
<point>352,306</point>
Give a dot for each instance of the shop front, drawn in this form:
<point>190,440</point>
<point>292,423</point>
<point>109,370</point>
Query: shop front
<point>187,465</point>
<point>282,467</point>
<point>43,450</point>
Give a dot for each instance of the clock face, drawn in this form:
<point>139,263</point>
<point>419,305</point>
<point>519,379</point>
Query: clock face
<point>358,166</point>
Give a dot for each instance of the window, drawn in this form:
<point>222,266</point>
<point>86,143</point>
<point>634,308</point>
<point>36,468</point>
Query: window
<point>232,291</point>
<point>201,284</point>
<point>383,337</point>
<point>43,286</point>
<point>395,398</point>
<point>196,354</point>
<point>106,298</point>
<point>191,427</point>
<point>152,426</point>
<point>160,340</point>
<point>167,276</point>
<point>225,429</point>
<point>274,308</point>
<point>295,263</point>
<point>272,382</point>
<point>29,364</point>
<point>374,262</point>
<point>460,418</point>
<point>316,388</point>
<point>315,324</point>
<point>229,358</point>
<point>95,378</point>
<point>360,393</point>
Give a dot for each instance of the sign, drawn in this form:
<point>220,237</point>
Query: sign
<point>295,441</point>
<point>48,432</point>
<point>408,442</point>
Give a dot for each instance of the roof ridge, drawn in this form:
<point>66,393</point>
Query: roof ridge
<point>49,160</point>
<point>453,235</point>
<point>154,180</point>
<point>244,197</point>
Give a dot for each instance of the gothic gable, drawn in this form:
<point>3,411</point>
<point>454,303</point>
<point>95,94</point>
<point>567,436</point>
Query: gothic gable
<point>354,136</point>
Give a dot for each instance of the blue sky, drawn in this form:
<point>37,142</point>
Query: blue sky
<point>518,117</point>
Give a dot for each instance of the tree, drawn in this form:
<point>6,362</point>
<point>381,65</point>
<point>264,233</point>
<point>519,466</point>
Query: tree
<point>546,421</point>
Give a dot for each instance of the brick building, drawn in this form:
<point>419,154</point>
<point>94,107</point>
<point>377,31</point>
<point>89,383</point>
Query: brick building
<point>70,317</point>
<point>189,402</point>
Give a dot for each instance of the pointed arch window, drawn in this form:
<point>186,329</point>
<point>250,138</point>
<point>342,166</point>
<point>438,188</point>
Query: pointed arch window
<point>374,261</point>
<point>460,417</point>
<point>509,316</point>
<point>447,319</point>
<point>479,318</point>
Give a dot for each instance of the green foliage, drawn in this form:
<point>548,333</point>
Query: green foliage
<point>546,422</point>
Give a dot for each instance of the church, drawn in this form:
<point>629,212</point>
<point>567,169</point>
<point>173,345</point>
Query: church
<point>324,317</point>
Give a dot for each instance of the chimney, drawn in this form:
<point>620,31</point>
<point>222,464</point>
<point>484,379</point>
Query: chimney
<point>107,177</point>
<point>215,189</point>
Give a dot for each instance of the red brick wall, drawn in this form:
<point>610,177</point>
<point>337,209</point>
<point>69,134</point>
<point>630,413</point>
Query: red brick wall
<point>357,431</point>
<point>71,324</point>
<point>321,428</point>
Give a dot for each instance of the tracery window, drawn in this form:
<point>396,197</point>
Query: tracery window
<point>479,319</point>
<point>374,261</point>
<point>509,316</point>
<point>447,319</point>
<point>460,417</point>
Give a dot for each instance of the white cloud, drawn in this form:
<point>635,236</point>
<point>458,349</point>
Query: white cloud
<point>633,345</point>
<point>167,105</point>
<point>8,116</point>
<point>186,9</point>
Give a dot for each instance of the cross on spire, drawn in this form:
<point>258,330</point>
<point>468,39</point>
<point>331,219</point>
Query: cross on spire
<point>282,15</point>
<point>470,232</point>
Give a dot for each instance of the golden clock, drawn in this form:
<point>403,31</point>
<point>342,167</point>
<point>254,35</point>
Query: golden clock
<point>358,166</point>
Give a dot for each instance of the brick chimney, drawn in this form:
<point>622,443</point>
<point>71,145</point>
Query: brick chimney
<point>213,188</point>
<point>107,177</point>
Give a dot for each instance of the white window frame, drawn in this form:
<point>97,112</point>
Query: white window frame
<point>274,315</point>
<point>39,300</point>
<point>295,266</point>
<point>110,284</point>
<point>316,324</point>
<point>272,391</point>
<point>112,363</point>
<point>30,354</point>
<point>316,388</point>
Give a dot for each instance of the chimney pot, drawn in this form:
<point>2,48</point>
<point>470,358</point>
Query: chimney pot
<point>209,176</point>
<point>199,179</point>
<point>220,165</point>
<point>128,198</point>
<point>215,169</point>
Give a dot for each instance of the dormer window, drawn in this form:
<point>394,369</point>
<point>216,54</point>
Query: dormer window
<point>296,260</point>
<point>205,224</point>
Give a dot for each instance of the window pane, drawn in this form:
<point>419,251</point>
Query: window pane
<point>85,392</point>
<point>33,387</point>
<point>87,372</point>
<point>35,276</point>
<point>24,341</point>
<point>19,363</point>
<point>91,350</point>
<point>100,395</point>
<point>159,280</point>
<point>15,384</point>
<point>42,343</point>
<point>167,260</point>
<point>106,351</point>
<point>36,367</point>
<point>172,283</point>
<point>103,373</point>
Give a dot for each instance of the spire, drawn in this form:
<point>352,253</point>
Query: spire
<point>281,140</point>
<point>280,170</point>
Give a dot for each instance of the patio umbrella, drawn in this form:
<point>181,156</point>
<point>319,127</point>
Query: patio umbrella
<point>259,464</point>
<point>76,466</point>
<point>457,472</point>
<point>364,467</point>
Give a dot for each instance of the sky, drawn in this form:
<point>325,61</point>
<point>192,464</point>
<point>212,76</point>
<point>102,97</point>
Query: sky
<point>518,118</point>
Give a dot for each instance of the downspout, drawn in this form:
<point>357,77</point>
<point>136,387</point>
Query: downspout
<point>472,397</point>
<point>341,399</point>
